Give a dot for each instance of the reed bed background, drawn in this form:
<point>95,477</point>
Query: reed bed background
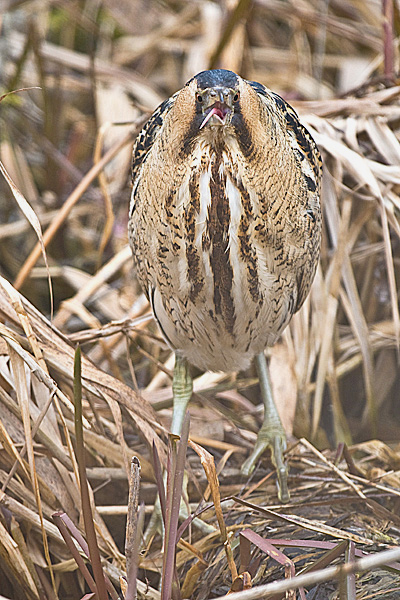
<point>87,75</point>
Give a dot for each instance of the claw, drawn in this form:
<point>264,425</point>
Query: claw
<point>278,447</point>
<point>276,442</point>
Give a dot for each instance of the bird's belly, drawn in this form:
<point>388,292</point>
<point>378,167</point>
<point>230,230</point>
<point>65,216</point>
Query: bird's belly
<point>222,301</point>
<point>223,305</point>
<point>208,341</point>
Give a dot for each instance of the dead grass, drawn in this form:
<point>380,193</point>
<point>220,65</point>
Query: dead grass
<point>66,148</point>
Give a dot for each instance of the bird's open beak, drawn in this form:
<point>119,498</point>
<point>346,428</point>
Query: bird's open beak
<point>218,105</point>
<point>219,110</point>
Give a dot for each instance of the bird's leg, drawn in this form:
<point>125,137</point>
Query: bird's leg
<point>271,435</point>
<point>182,388</point>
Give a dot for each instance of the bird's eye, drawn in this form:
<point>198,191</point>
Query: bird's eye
<point>236,97</point>
<point>199,98</point>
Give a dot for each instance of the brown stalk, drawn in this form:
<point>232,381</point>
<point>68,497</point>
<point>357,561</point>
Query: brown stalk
<point>388,41</point>
<point>375,506</point>
<point>106,195</point>
<point>34,221</point>
<point>67,206</point>
<point>16,533</point>
<point>175,473</point>
<point>306,523</point>
<point>132,530</point>
<point>23,400</point>
<point>268,547</point>
<point>347,584</point>
<point>242,7</point>
<point>207,462</point>
<point>76,534</point>
<point>322,575</point>
<point>85,499</point>
<point>57,518</point>
<point>12,558</point>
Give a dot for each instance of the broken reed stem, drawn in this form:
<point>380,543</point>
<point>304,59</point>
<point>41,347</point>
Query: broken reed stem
<point>131,546</point>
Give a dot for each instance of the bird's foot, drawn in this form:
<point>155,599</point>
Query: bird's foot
<point>274,439</point>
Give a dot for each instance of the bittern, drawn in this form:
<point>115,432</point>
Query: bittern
<point>225,229</point>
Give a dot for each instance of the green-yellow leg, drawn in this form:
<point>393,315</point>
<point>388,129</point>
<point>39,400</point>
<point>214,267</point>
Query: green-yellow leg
<point>182,388</point>
<point>271,435</point>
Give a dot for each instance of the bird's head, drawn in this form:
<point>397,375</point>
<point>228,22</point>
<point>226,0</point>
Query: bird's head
<point>217,95</point>
<point>206,105</point>
<point>215,106</point>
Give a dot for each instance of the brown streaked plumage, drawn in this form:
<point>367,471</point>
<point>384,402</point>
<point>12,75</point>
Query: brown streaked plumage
<point>225,219</point>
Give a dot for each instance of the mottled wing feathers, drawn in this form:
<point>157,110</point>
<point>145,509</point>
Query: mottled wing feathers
<point>303,145</point>
<point>148,135</point>
<point>302,136</point>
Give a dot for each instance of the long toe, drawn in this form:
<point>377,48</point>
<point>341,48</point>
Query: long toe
<point>276,442</point>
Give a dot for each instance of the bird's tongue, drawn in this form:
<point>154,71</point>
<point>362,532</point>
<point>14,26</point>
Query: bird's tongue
<point>216,111</point>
